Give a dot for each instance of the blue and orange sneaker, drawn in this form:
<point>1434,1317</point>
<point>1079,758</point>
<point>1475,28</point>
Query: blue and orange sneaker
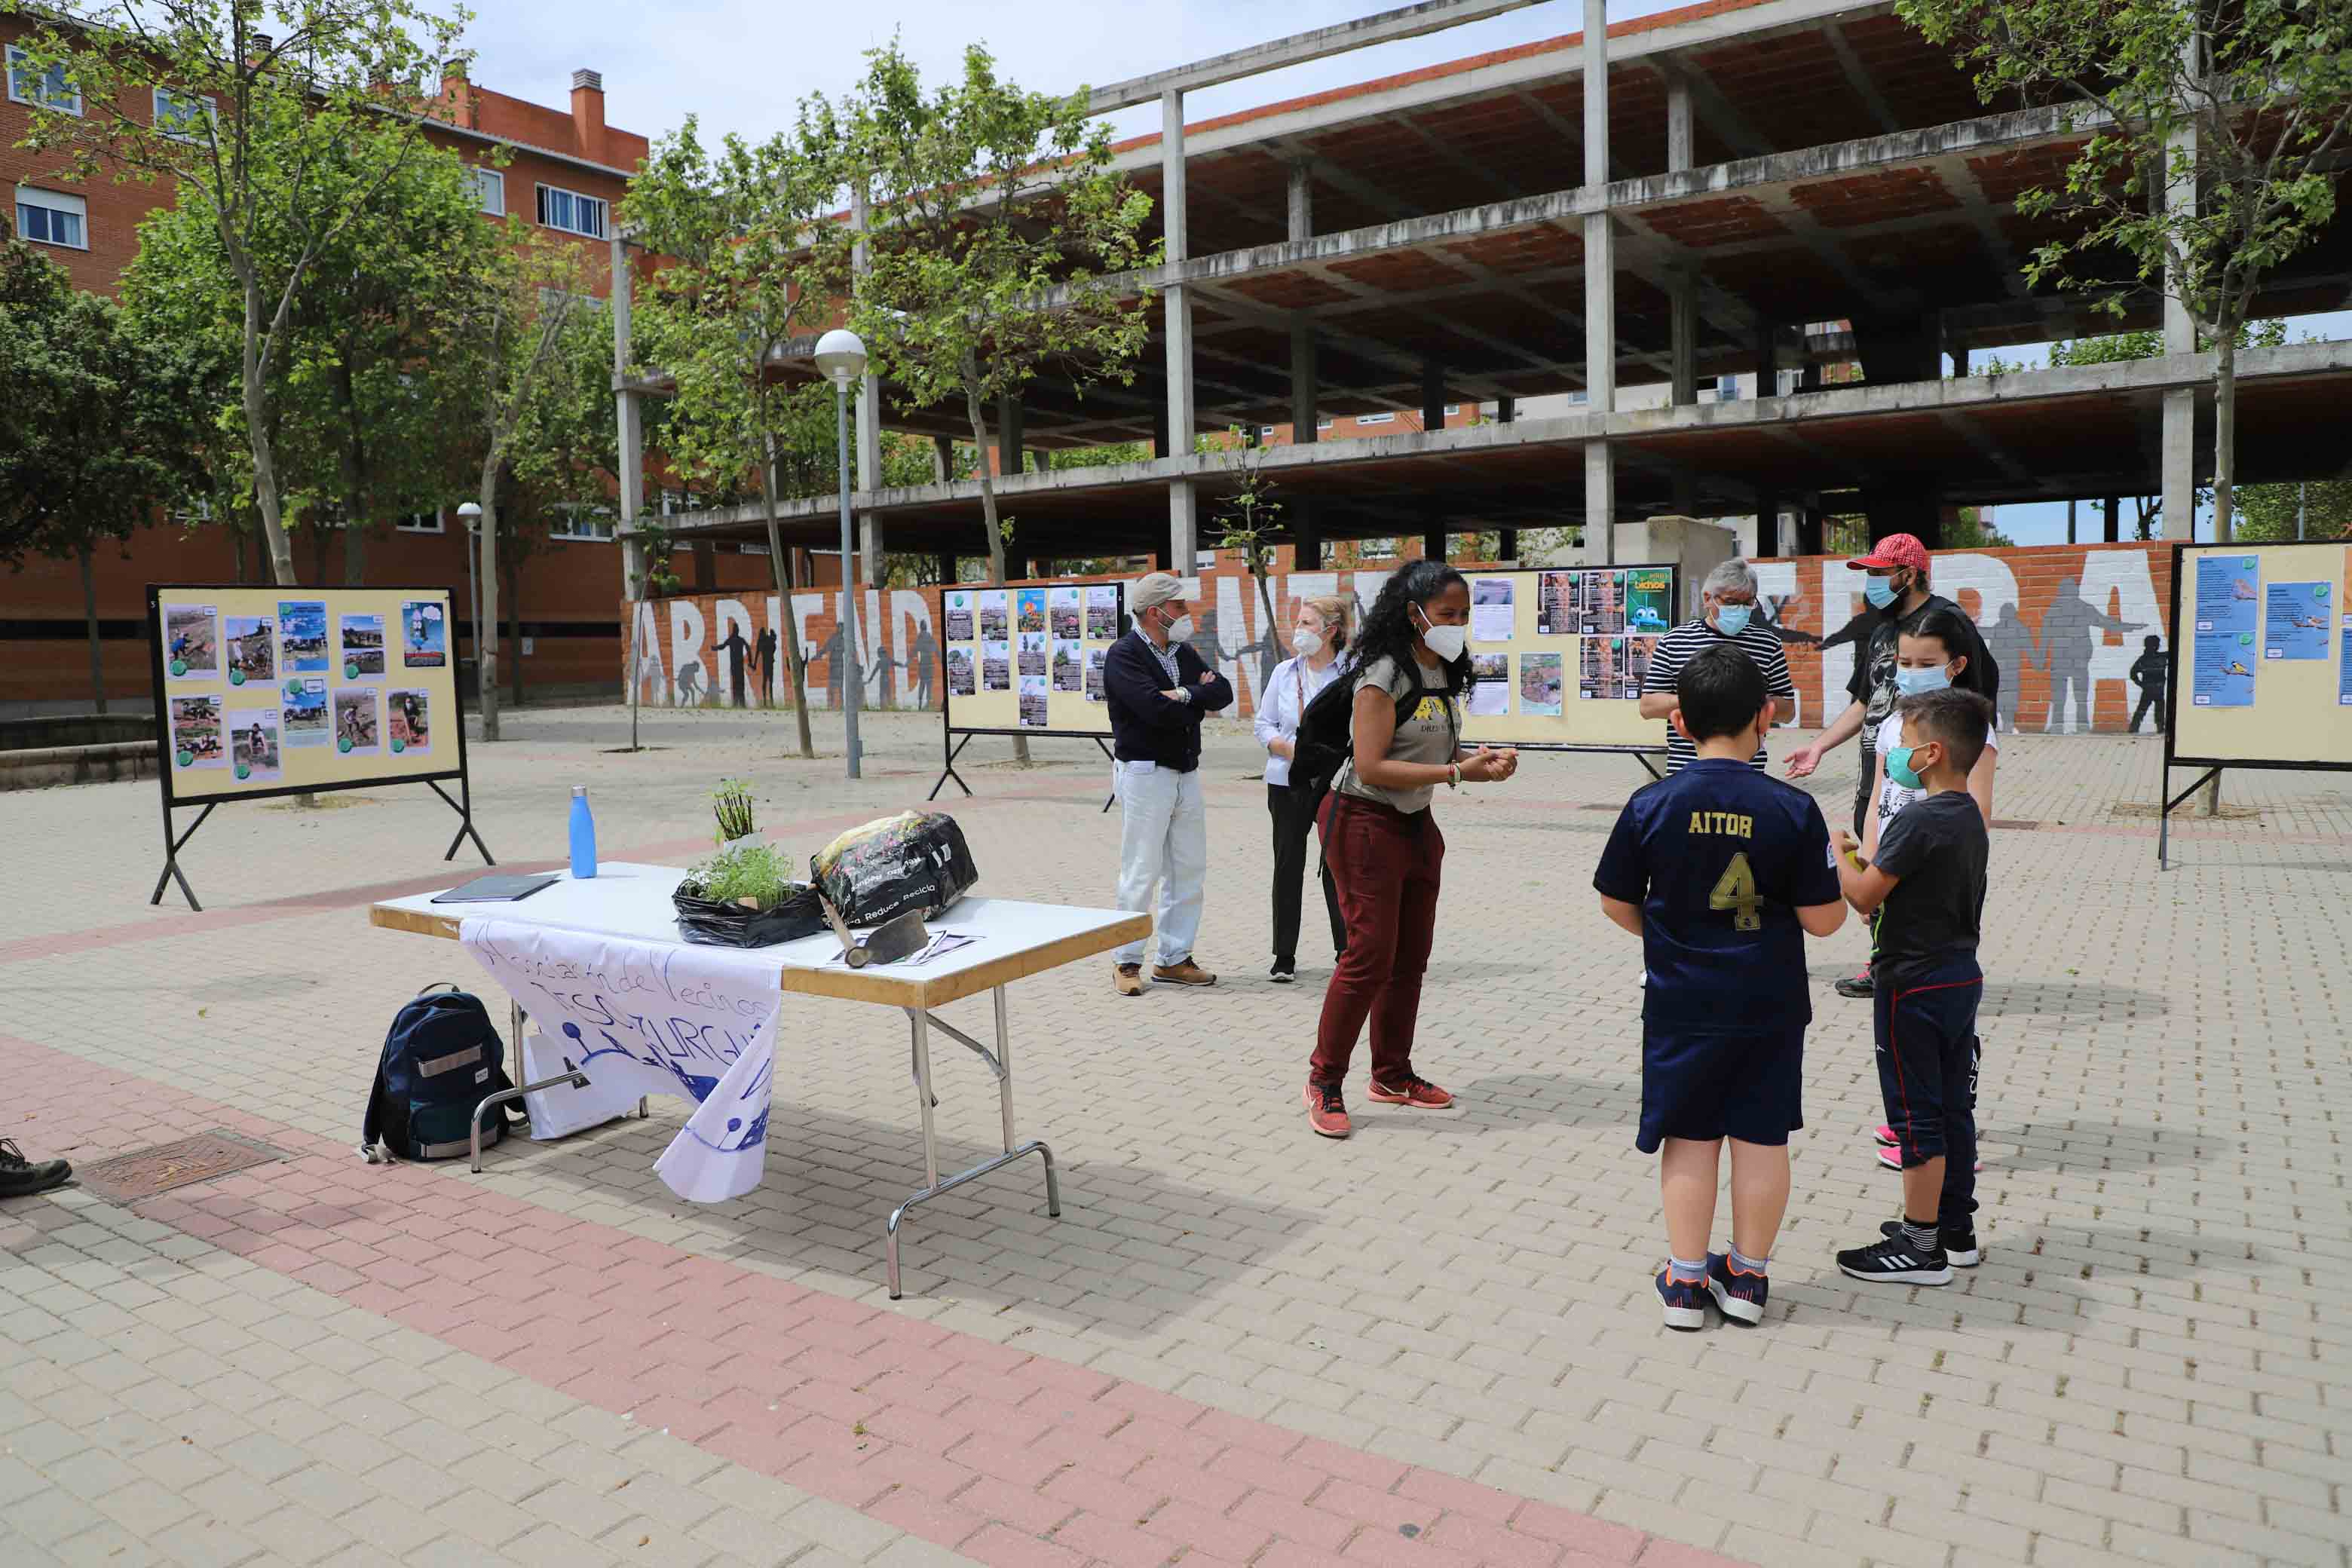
<point>1739,1295</point>
<point>1685,1301</point>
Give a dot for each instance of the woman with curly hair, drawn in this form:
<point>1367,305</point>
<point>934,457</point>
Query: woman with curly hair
<point>1412,671</point>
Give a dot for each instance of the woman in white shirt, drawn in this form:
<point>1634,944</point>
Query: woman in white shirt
<point>1318,636</point>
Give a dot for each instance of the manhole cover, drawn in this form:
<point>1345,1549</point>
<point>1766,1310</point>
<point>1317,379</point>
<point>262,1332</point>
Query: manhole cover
<point>143,1173</point>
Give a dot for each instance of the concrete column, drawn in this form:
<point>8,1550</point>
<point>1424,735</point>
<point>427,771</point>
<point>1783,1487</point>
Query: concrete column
<point>2114,508</point>
<point>1302,200</point>
<point>1809,532</point>
<point>1008,436</point>
<point>1507,545</point>
<point>1304,387</point>
<point>1432,542</point>
<point>945,563</point>
<point>2180,468</point>
<point>944,461</point>
<point>1183,526</point>
<point>1767,362</point>
<point>1767,522</point>
<point>1507,410</point>
<point>1599,295</point>
<point>1183,513</point>
<point>1432,396</point>
<point>1682,302</point>
<point>1679,150</point>
<point>1306,536</point>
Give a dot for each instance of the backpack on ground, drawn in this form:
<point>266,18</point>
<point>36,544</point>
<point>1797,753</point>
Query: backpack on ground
<point>1326,732</point>
<point>441,1058</point>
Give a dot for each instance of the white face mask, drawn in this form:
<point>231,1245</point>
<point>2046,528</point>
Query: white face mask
<point>1445,642</point>
<point>1305,644</point>
<point>1180,629</point>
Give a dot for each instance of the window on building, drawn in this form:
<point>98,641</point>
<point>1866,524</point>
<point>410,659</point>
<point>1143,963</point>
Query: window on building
<point>185,116</point>
<point>419,523</point>
<point>490,191</point>
<point>1578,396</point>
<point>1387,418</point>
<point>1323,425</point>
<point>1727,388</point>
<point>50,88</point>
<point>53,218</point>
<point>1265,430</point>
<point>571,212</point>
<point>752,550</point>
<point>583,522</point>
<point>1452,410</point>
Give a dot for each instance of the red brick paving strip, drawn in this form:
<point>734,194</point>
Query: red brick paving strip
<point>1013,1460</point>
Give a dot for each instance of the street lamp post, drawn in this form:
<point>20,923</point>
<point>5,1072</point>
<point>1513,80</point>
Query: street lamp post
<point>470,516</point>
<point>841,357</point>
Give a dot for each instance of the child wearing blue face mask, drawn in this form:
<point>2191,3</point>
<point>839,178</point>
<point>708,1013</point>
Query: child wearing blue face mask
<point>1924,889</point>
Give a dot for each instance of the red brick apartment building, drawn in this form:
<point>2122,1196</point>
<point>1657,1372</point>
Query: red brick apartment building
<point>567,170</point>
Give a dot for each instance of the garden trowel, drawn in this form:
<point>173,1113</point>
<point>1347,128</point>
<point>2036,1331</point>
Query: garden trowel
<point>885,944</point>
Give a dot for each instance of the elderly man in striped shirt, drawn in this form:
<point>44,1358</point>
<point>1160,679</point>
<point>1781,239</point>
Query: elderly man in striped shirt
<point>1727,607</point>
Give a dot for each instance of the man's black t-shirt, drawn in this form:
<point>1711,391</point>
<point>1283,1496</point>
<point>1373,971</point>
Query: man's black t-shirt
<point>1937,847</point>
<point>1872,682</point>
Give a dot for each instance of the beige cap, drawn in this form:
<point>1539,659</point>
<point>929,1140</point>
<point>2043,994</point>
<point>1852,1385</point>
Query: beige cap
<point>1155,588</point>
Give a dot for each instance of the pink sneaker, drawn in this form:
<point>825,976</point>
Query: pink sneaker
<point>1885,1135</point>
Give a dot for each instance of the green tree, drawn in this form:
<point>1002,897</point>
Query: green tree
<point>1248,521</point>
<point>246,115</point>
<point>995,230</point>
<point>2319,510</point>
<point>744,280</point>
<point>101,433</point>
<point>2210,163</point>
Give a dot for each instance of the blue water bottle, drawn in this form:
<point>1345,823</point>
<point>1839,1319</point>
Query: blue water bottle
<point>583,836</point>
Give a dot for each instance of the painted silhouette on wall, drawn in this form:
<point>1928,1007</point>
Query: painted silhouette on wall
<point>2071,630</point>
<point>739,652</point>
<point>765,651</point>
<point>2012,644</point>
<point>2150,672</point>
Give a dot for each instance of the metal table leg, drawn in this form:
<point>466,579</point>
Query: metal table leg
<point>1000,1062</point>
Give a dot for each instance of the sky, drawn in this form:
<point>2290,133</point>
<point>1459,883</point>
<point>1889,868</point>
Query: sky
<point>695,57</point>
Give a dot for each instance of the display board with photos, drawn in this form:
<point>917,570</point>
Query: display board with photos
<point>267,690</point>
<point>1561,653</point>
<point>2262,656</point>
<point>1029,659</point>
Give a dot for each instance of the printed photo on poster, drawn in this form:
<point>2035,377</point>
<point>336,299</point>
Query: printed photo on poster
<point>958,614</point>
<point>2297,619</point>
<point>1648,600</point>
<point>996,665</point>
<point>1596,671</point>
<point>359,727</point>
<point>1557,614</point>
<point>1034,699</point>
<point>252,650</point>
<point>1095,656</point>
<point>1069,665</point>
<point>408,714</point>
<point>2344,668</point>
<point>253,742</point>
<point>363,646</point>
<point>1492,694</point>
<point>424,635</point>
<point>1062,608</point>
<point>1494,609</point>
<point>1603,603</point>
<point>1102,612</point>
<point>961,677</point>
<point>302,631</point>
<point>196,741</point>
<point>2222,675</point>
<point>302,709</point>
<point>192,642</point>
<point>1029,609</point>
<point>1540,683</point>
<point>1637,665</point>
<point>1033,653</point>
<point>995,622</point>
<point>2228,591</point>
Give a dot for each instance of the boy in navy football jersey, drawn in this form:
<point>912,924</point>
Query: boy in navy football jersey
<point>1721,870</point>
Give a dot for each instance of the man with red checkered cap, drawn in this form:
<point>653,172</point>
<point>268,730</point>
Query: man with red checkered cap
<point>1897,590</point>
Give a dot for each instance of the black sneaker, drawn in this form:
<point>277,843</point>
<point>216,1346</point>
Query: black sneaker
<point>1897,1262</point>
<point>1284,972</point>
<point>1959,1246</point>
<point>1684,1300</point>
<point>1738,1295</point>
<point>1857,985</point>
<point>20,1178</point>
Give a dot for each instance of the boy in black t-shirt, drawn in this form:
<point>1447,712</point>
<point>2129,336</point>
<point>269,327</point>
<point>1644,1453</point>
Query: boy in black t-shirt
<point>1721,870</point>
<point>1928,884</point>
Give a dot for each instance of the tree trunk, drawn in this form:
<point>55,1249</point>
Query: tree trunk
<point>353,464</point>
<point>514,623</point>
<point>256,426</point>
<point>988,513</point>
<point>781,568</point>
<point>2225,429</point>
<point>486,649</point>
<point>89,621</point>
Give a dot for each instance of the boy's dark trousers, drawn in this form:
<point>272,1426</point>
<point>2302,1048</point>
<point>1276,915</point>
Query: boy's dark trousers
<point>1927,1029</point>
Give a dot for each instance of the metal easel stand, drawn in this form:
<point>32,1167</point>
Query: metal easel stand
<point>2164,818</point>
<point>1000,1062</point>
<point>574,1077</point>
<point>464,818</point>
<point>171,847</point>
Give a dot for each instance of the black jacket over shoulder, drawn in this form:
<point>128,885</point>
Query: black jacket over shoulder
<point>1147,727</point>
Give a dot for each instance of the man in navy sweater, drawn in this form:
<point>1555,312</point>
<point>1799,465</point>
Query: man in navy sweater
<point>1158,692</point>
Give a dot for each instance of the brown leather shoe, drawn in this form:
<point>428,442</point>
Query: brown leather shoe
<point>1127,979</point>
<point>1185,974</point>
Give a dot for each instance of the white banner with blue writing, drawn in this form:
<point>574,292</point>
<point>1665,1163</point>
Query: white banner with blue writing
<point>642,1019</point>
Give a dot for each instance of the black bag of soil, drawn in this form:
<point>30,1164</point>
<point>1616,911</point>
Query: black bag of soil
<point>915,861</point>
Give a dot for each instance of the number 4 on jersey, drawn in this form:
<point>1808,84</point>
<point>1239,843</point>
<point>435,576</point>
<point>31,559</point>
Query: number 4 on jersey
<point>1736,891</point>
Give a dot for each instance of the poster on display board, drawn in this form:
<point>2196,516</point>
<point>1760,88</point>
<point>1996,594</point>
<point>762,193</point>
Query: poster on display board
<point>265,692</point>
<point>1561,654</point>
<point>1026,660</point>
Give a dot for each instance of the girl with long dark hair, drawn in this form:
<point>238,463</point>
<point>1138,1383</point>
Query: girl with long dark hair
<point>1411,675</point>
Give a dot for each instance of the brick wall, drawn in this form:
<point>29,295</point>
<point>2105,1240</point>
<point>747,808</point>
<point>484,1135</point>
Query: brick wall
<point>2052,615</point>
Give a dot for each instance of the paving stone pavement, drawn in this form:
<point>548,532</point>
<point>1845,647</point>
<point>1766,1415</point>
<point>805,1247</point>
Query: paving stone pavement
<point>1239,1343</point>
